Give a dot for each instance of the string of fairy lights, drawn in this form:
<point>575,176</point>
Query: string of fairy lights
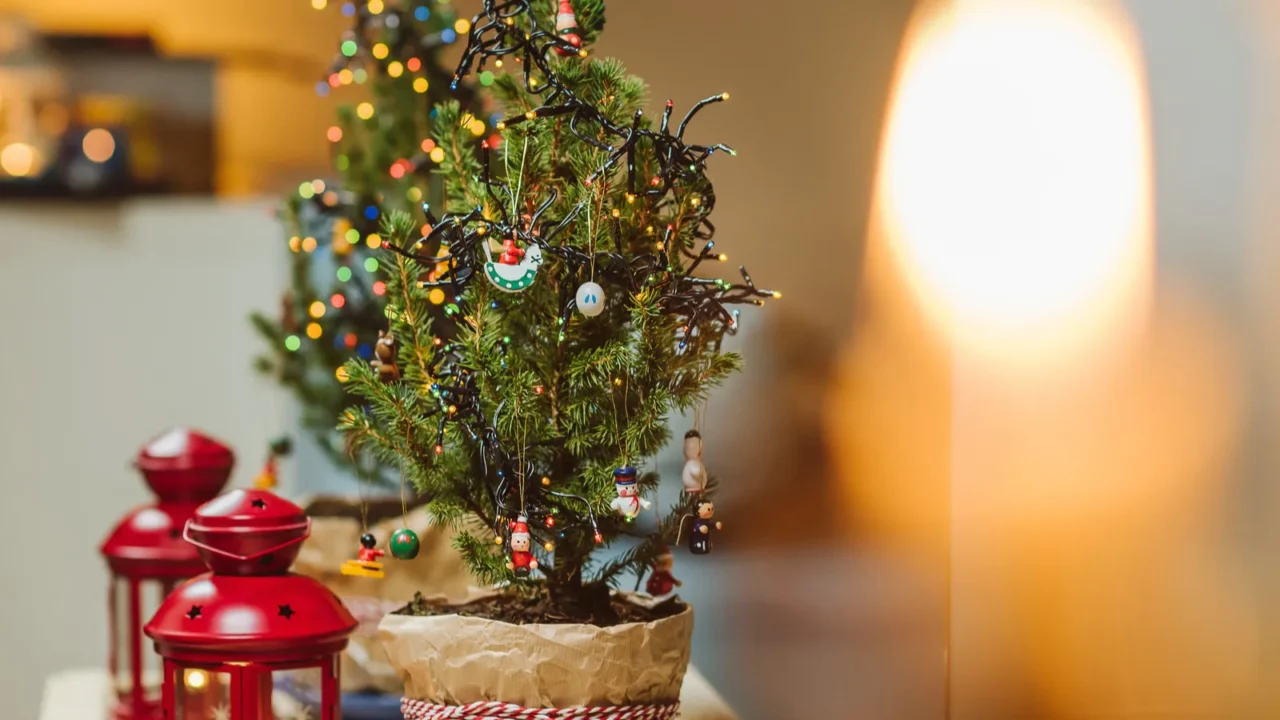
<point>664,174</point>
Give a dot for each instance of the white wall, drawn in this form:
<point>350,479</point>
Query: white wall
<point>117,323</point>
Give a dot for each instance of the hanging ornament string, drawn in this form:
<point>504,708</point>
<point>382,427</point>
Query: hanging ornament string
<point>364,508</point>
<point>404,505</point>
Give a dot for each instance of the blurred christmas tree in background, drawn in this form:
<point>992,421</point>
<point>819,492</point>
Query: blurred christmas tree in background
<point>383,155</point>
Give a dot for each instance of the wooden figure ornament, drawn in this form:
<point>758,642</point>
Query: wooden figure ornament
<point>700,538</point>
<point>522,561</point>
<point>694,476</point>
<point>366,563</point>
<point>385,352</point>
<point>661,581</point>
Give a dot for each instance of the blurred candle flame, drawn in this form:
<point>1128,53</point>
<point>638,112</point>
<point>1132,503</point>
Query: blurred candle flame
<point>1020,409</point>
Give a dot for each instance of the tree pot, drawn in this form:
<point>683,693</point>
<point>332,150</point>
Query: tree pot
<point>456,660</point>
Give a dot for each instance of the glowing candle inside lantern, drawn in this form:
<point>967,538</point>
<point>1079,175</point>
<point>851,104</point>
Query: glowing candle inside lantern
<point>1014,184</point>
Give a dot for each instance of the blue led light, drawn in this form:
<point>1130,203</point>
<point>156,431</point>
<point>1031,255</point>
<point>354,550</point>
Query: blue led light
<point>365,351</point>
<point>322,89</point>
<point>421,13</point>
<point>371,213</point>
<point>348,9</point>
<point>448,35</point>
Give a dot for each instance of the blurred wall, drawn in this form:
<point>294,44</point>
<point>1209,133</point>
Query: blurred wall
<point>119,322</point>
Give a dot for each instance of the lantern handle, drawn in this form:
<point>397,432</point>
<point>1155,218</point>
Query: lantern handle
<point>186,535</point>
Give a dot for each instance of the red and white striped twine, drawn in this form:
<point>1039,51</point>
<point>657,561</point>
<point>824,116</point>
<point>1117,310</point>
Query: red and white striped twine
<point>488,710</point>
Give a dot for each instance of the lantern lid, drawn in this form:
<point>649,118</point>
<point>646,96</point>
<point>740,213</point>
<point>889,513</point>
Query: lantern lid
<point>249,511</point>
<point>147,542</point>
<point>268,618</point>
<point>185,449</point>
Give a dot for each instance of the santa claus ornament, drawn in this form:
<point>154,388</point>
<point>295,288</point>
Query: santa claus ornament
<point>661,581</point>
<point>628,504</point>
<point>694,475</point>
<point>567,28</point>
<point>522,561</point>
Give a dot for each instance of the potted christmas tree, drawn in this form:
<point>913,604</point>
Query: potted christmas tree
<point>574,262</point>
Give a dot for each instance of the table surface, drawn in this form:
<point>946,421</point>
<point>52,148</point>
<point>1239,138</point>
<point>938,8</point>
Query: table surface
<point>85,694</point>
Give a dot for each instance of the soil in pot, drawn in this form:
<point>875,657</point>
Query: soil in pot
<point>541,608</point>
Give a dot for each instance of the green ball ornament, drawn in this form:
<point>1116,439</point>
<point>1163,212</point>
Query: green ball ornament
<point>404,544</point>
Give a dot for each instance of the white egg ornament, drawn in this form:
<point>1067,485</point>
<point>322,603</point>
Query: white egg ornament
<point>590,299</point>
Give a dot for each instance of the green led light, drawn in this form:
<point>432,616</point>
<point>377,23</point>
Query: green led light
<point>360,76</point>
<point>342,162</point>
<point>353,236</point>
<point>348,48</point>
<point>371,264</point>
<point>292,343</point>
<point>306,191</point>
<point>344,273</point>
<point>486,78</point>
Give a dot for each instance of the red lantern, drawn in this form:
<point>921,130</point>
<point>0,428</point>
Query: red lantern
<point>227,636</point>
<point>147,557</point>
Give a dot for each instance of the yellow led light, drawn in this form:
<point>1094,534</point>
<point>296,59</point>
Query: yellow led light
<point>420,85</point>
<point>530,115</point>
<point>381,51</point>
<point>724,96</point>
<point>582,52</point>
<point>374,240</point>
<point>295,243</point>
<point>696,201</point>
<point>617,381</point>
<point>631,198</point>
<point>777,295</point>
<point>317,309</point>
<point>346,77</point>
<point>319,4</point>
<point>499,61</point>
<point>462,27</point>
<point>436,296</point>
<point>395,69</point>
<point>314,331</point>
<point>497,539</point>
<point>546,480</point>
<point>375,7</point>
<point>437,155</point>
<point>364,110</point>
<point>501,125</point>
<point>533,82</point>
<point>548,546</point>
<point>414,194</point>
<point>308,244</point>
<point>661,246</point>
<point>477,128</point>
<point>616,212</point>
<point>723,257</point>
<point>342,374</point>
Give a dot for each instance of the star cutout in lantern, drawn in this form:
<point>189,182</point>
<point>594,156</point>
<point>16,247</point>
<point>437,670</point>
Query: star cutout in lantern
<point>287,612</point>
<point>222,712</point>
<point>194,612</point>
<point>259,503</point>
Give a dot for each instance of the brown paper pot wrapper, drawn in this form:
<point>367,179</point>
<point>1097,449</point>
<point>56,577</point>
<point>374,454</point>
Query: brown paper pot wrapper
<point>454,660</point>
<point>335,537</point>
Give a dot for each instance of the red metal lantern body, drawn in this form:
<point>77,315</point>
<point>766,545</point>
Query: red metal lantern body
<point>227,636</point>
<point>147,557</point>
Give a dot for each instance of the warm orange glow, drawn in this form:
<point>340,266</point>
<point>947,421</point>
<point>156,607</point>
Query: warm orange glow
<point>98,145</point>
<point>1015,177</point>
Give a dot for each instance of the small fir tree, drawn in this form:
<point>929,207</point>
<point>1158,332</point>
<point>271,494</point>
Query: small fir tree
<point>536,396</point>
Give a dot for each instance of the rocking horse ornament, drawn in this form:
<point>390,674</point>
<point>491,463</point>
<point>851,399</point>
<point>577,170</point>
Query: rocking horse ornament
<point>516,268</point>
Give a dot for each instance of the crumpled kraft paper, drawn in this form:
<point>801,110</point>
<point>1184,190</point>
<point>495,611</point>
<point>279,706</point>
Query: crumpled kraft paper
<point>453,660</point>
<point>438,570</point>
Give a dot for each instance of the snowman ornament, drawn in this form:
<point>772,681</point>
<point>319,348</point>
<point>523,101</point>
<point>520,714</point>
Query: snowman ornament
<point>628,504</point>
<point>590,299</point>
<point>694,476</point>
